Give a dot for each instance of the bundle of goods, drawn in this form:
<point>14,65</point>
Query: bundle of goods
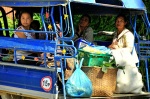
<point>93,56</point>
<point>99,66</point>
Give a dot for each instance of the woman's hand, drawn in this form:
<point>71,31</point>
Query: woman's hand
<point>114,45</point>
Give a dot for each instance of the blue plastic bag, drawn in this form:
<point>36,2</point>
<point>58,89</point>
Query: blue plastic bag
<point>79,85</point>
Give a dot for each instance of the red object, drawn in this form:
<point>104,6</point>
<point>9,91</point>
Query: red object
<point>46,83</point>
<point>36,59</point>
<point>47,15</point>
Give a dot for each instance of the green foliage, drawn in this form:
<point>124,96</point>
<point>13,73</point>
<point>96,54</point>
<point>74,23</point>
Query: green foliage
<point>105,23</point>
<point>147,4</point>
<point>98,23</point>
<point>10,24</point>
<point>111,64</point>
<point>37,17</point>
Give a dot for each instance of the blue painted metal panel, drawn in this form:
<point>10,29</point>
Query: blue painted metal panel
<point>26,78</point>
<point>137,4</point>
<point>28,44</point>
<point>30,3</point>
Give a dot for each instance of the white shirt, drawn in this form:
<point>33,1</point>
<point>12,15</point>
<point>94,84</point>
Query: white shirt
<point>22,53</point>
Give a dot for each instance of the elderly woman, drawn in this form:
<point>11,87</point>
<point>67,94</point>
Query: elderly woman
<point>129,80</point>
<point>123,38</point>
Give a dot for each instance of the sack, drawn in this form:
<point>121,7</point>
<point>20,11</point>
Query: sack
<point>129,80</point>
<point>79,85</point>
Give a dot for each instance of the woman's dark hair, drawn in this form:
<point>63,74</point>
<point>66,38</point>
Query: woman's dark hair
<point>24,11</point>
<point>86,15</point>
<point>121,15</point>
<point>125,19</point>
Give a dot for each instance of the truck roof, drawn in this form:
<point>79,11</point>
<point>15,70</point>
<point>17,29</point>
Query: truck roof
<point>87,6</point>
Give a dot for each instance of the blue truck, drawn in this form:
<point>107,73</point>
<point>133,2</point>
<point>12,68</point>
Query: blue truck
<point>41,81</point>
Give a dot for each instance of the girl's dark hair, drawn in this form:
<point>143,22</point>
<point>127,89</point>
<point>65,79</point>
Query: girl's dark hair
<point>24,11</point>
<point>121,15</point>
<point>86,15</point>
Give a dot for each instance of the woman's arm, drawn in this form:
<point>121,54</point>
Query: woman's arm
<point>89,34</point>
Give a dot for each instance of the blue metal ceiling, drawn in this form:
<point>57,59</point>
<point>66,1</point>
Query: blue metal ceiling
<point>87,6</point>
<point>138,4</point>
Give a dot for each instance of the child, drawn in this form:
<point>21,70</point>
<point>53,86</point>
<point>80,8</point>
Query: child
<point>35,25</point>
<point>25,20</point>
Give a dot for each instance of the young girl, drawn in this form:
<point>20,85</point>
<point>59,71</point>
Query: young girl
<point>25,20</point>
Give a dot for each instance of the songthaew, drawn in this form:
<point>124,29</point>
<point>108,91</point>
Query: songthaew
<point>51,54</point>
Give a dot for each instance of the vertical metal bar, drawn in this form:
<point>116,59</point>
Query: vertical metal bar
<point>53,24</point>
<point>15,57</point>
<point>13,19</point>
<point>66,22</point>
<point>63,82</point>
<point>148,24</point>
<point>43,22</point>
<point>45,29</point>
<point>135,35</point>
<point>60,11</point>
<point>133,25</point>
<point>52,18</point>
<point>147,20</point>
<point>71,22</point>
<point>147,74</point>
